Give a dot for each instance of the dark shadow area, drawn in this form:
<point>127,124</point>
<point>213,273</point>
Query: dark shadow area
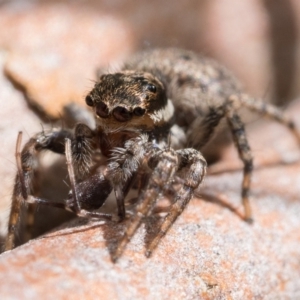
<point>152,226</point>
<point>76,228</point>
<point>214,199</point>
<point>283,32</point>
<point>112,234</point>
<point>54,184</point>
<point>153,222</point>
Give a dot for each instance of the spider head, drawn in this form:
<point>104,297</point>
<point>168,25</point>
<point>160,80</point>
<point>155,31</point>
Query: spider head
<point>130,101</point>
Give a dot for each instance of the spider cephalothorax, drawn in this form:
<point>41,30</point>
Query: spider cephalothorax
<point>127,104</point>
<point>133,101</point>
<point>152,119</point>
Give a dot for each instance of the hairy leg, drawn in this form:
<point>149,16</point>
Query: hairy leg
<point>82,147</point>
<point>123,167</point>
<point>164,164</point>
<point>270,111</point>
<point>90,193</point>
<point>26,166</point>
<point>193,169</point>
<point>241,143</point>
<point>202,129</point>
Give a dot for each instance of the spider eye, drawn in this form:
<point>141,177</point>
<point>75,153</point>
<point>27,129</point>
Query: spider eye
<point>89,101</point>
<point>122,114</point>
<point>102,110</point>
<point>151,87</point>
<point>138,111</point>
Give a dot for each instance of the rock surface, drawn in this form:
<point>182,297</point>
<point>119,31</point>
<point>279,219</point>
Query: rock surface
<point>210,253</point>
<point>56,49</point>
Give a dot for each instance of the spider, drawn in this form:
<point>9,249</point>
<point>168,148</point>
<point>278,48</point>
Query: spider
<point>152,119</point>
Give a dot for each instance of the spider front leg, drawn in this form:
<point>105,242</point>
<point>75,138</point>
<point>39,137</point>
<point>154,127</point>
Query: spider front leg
<point>82,149</point>
<point>192,166</point>
<point>26,169</point>
<point>164,165</point>
<point>90,193</point>
<point>122,169</point>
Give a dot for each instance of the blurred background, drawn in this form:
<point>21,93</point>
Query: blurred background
<point>50,50</point>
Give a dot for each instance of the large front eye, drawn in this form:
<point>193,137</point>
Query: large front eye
<point>122,114</point>
<point>89,101</point>
<point>102,110</point>
<point>138,111</point>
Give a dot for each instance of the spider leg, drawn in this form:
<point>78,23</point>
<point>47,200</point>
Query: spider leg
<point>123,166</point>
<point>193,165</point>
<point>82,148</point>
<point>202,128</point>
<point>94,190</point>
<point>91,191</point>
<point>82,213</point>
<point>29,219</point>
<point>241,142</point>
<point>18,192</point>
<point>164,165</point>
<point>270,111</point>
<point>26,166</point>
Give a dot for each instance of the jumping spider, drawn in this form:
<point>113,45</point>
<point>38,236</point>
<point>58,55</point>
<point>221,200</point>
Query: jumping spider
<point>159,103</point>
